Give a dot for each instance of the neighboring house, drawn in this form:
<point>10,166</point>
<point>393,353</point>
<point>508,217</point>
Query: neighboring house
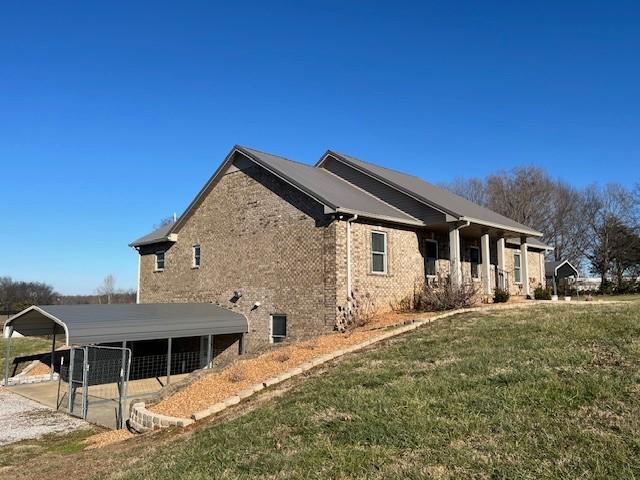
<point>284,242</point>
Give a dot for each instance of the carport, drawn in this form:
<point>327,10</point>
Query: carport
<point>119,351</point>
<point>124,324</point>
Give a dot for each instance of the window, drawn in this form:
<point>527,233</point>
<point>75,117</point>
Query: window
<point>159,261</point>
<point>196,256</point>
<point>517,276</point>
<point>278,328</point>
<point>378,252</point>
<point>431,258</point>
<point>474,258</point>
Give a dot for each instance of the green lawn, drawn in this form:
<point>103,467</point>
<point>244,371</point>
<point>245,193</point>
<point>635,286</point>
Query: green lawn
<point>549,392</point>
<point>23,346</point>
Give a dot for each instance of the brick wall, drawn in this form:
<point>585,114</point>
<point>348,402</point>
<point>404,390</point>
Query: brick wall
<point>259,235</point>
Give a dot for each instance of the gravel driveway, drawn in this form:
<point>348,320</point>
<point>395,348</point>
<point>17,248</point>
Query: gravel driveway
<point>21,419</point>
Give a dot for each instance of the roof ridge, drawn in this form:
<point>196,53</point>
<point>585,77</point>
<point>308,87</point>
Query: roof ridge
<point>242,147</point>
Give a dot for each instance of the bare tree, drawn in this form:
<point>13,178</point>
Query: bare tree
<point>107,288</point>
<point>473,189</point>
<point>20,295</point>
<point>605,210</point>
<point>525,194</point>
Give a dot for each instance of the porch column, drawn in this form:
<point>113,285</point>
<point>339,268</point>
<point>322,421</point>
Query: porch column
<point>454,256</point>
<point>524,265</point>
<point>501,271</point>
<point>486,263</point>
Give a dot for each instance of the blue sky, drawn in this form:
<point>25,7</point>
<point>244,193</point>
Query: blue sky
<point>113,116</point>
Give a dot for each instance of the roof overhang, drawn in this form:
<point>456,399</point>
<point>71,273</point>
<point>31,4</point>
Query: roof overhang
<point>419,198</point>
<point>97,324</point>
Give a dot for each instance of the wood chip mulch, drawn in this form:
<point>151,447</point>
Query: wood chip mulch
<point>107,438</point>
<point>242,374</point>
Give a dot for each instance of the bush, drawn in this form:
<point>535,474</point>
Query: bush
<point>443,295</point>
<point>361,312</point>
<point>542,293</point>
<point>501,296</point>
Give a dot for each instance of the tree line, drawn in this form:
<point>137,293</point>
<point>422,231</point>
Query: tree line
<point>18,295</point>
<point>596,228</point>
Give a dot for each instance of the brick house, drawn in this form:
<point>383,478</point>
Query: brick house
<point>284,242</point>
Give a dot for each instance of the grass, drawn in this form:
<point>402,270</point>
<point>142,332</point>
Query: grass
<point>549,392</point>
<point>20,453</point>
<point>23,346</point>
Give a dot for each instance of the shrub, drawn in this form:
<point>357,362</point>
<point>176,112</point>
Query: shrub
<point>235,376</point>
<point>443,295</point>
<point>282,357</point>
<point>542,293</point>
<point>501,296</point>
<point>361,312</point>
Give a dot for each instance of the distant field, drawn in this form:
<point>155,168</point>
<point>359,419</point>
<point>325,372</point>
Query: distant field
<point>551,391</point>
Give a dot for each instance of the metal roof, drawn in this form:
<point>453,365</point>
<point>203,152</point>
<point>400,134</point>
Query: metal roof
<point>88,324</point>
<point>327,188</point>
<point>339,195</point>
<point>437,197</point>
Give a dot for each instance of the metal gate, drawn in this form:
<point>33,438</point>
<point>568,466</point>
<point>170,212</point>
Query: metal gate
<point>96,379</point>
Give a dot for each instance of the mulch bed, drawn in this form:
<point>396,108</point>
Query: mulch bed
<point>242,374</point>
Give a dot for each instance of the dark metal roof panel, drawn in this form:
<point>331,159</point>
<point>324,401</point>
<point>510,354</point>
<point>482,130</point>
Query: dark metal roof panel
<point>87,324</point>
<point>439,197</point>
<point>158,235</point>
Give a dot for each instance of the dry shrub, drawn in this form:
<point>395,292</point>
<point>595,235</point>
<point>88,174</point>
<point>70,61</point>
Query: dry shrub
<point>282,357</point>
<point>359,314</point>
<point>437,295</point>
<point>236,376</point>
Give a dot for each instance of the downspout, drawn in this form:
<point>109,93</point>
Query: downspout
<point>138,288</point>
<point>352,219</point>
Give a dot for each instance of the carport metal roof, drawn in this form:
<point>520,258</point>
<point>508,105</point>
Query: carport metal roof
<point>87,324</point>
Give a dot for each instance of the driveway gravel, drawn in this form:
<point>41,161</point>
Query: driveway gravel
<point>22,419</point>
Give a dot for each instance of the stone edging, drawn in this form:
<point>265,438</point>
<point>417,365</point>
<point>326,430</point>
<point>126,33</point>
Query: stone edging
<point>143,420</point>
<point>24,379</point>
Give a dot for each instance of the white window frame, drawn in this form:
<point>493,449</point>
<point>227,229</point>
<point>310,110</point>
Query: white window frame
<point>164,260</point>
<point>432,240</point>
<point>193,256</point>
<point>383,253</point>
<point>474,247</point>
<point>286,327</point>
<point>518,268</point>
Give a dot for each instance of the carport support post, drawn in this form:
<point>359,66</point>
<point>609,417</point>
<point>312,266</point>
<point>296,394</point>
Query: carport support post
<point>53,353</point>
<point>72,352</point>
<point>243,344</point>
<point>168,360</point>
<point>209,350</point>
<point>7,353</point>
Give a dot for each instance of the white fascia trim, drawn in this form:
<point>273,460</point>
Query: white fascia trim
<point>533,233</point>
<point>42,312</point>
<point>384,218</point>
